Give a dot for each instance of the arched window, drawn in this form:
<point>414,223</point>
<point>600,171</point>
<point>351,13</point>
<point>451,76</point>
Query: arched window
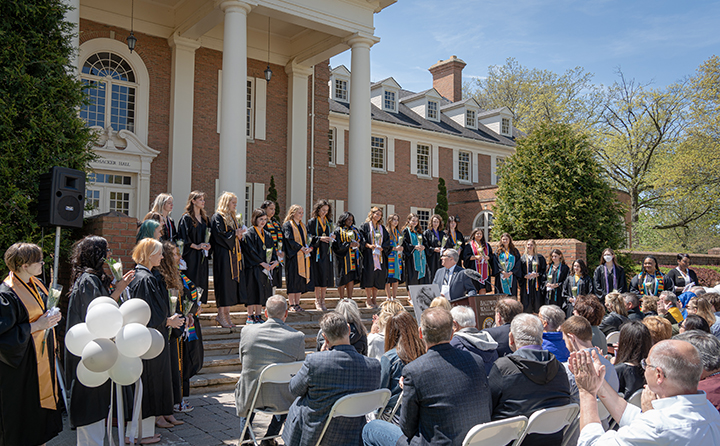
<point>111,87</point>
<point>484,221</point>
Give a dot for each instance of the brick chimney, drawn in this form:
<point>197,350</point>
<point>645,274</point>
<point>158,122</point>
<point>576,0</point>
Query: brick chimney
<point>447,78</point>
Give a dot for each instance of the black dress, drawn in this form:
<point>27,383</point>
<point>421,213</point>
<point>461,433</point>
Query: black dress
<point>457,243</point>
<point>676,277</point>
<point>471,250</point>
<point>532,291</point>
<point>295,282</point>
<point>275,230</point>
<point>556,275</point>
<point>258,283</point>
<point>584,287</point>
<point>23,421</point>
<point>321,271</point>
<point>191,348</point>
<point>432,241</point>
<point>228,274</point>
<point>156,377</point>
<point>631,377</point>
<point>347,260</point>
<point>169,232</point>
<point>395,269</point>
<point>198,266</point>
<point>372,278</point>
<point>614,281</point>
<point>92,403</point>
<point>514,259</point>
<point>412,265</point>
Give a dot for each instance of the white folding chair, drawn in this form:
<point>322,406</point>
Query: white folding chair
<point>496,433</point>
<point>549,421</point>
<point>356,405</point>
<point>271,374</point>
<point>389,417</point>
<point>635,398</point>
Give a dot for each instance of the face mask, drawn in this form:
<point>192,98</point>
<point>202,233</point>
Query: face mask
<point>608,258</point>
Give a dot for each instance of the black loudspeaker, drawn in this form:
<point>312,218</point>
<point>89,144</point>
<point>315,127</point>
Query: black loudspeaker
<point>61,200</point>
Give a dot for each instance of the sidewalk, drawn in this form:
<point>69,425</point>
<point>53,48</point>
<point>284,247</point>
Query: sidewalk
<point>212,423</point>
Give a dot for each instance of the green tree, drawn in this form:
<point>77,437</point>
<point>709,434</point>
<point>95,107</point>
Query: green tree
<point>441,207</point>
<point>552,187</point>
<point>273,194</point>
<point>39,124</point>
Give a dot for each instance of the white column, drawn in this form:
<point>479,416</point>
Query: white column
<point>233,112</point>
<point>359,173</point>
<point>182,80</point>
<point>73,16</point>
<point>297,166</point>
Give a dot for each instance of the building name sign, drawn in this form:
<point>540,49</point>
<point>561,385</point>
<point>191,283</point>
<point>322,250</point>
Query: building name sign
<point>126,165</point>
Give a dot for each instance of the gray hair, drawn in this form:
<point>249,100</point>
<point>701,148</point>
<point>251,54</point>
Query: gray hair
<point>631,298</point>
<point>669,296</point>
<point>452,253</point>
<point>684,370</point>
<point>707,345</point>
<point>436,325</point>
<point>463,315</point>
<point>527,330</point>
<point>553,315</point>
<point>334,326</point>
<point>276,306</point>
<point>350,311</point>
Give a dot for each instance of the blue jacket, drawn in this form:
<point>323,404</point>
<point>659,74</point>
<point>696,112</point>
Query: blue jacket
<point>554,343</point>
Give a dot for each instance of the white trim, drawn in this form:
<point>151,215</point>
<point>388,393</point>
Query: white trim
<point>456,164</point>
<point>258,195</point>
<point>385,152</point>
<point>475,168</point>
<point>471,157</point>
<point>260,108</point>
<point>435,160</point>
<point>219,99</point>
<point>332,146</point>
<point>390,153</point>
<point>340,145</point>
<point>258,118</point>
<point>390,210</point>
<point>413,157</point>
<point>339,208</point>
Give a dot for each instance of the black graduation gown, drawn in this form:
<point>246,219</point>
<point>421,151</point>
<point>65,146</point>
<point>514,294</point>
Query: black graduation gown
<point>370,277</point>
<point>555,297</point>
<point>321,270</point>
<point>410,274</point>
<point>516,270</point>
<point>228,291</point>
<point>22,420</point>
<point>92,403</point>
<point>156,376</point>
<point>275,230</point>
<point>431,241</point>
<point>639,278</point>
<point>532,292</point>
<point>584,287</point>
<point>192,351</point>
<point>459,240</point>
<point>295,282</point>
<point>469,263</point>
<point>198,266</point>
<point>258,283</point>
<point>601,288</point>
<point>344,258</point>
<point>397,277</point>
<point>169,232</point>
<point>678,280</point>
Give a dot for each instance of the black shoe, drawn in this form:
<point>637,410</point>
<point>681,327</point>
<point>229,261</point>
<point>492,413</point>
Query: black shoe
<point>258,319</point>
<point>270,442</point>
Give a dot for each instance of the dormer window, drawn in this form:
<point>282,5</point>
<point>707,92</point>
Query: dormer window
<point>390,101</point>
<point>341,90</point>
<point>432,110</point>
<point>470,120</point>
<point>505,127</point>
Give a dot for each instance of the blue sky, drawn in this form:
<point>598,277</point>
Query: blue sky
<point>652,41</point>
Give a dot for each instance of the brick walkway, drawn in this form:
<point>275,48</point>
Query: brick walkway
<point>212,423</point>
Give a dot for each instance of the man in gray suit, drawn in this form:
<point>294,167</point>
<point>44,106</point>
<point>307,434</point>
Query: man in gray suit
<point>445,392</point>
<point>324,378</point>
<point>454,284</point>
<point>260,345</point>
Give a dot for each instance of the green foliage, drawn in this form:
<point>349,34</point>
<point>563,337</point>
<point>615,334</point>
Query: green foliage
<point>441,207</point>
<point>39,125</point>
<point>272,195</point>
<point>552,188</point>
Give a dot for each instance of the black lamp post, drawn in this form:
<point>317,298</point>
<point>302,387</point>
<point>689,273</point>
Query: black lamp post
<point>268,71</point>
<point>132,40</point>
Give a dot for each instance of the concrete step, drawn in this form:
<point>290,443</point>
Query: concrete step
<point>308,303</point>
<point>239,318</point>
<point>213,382</point>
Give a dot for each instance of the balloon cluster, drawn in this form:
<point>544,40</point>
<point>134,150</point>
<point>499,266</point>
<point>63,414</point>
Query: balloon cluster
<point>113,341</point>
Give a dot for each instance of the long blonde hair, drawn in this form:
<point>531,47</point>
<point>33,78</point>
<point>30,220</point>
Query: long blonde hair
<point>370,214</point>
<point>291,212</point>
<point>223,208</point>
<point>159,203</point>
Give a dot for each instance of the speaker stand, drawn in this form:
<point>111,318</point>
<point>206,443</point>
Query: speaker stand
<point>56,260</point>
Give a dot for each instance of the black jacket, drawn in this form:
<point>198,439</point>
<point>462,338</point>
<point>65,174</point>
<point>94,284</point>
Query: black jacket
<point>500,335</point>
<point>612,322</point>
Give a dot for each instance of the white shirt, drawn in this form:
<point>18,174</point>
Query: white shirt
<point>445,289</point>
<point>677,420</point>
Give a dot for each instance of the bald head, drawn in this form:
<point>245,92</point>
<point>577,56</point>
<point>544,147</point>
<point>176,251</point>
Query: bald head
<point>680,363</point>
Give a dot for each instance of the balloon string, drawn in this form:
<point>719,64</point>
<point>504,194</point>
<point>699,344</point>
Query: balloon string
<point>120,414</point>
<point>108,423</point>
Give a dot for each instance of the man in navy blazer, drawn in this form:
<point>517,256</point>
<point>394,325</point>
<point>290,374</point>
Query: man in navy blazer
<point>324,378</point>
<point>505,311</point>
<point>454,284</point>
<point>445,392</point>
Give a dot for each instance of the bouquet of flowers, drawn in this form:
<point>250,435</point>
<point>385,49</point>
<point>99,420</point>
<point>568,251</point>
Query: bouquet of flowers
<point>574,291</point>
<point>52,301</point>
<point>173,298</point>
<point>190,300</point>
<point>420,240</point>
<point>401,238</point>
<point>444,241</point>
<point>116,268</point>
<point>534,265</point>
<point>181,246</point>
<point>504,265</point>
<point>280,246</point>
<point>207,240</point>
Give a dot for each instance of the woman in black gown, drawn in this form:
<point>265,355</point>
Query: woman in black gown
<point>508,267</point>
<point>346,246</point>
<point>478,256</point>
<point>163,205</point>
<point>375,252</point>
<point>297,256</point>
<point>578,283</point>
<point>416,267</point>
<point>193,229</point>
<point>28,389</point>
<point>432,238</point>
<point>609,276</point>
<point>321,234</point>
<point>395,258</point>
<point>260,260</point>
<point>89,282</point>
<point>532,291</point>
<point>682,276</point>
<point>275,229</point>
<point>454,238</point>
<point>557,272</point>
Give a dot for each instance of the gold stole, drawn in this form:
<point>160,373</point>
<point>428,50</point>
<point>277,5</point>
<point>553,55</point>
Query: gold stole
<point>236,253</point>
<point>35,307</point>
<point>302,262</point>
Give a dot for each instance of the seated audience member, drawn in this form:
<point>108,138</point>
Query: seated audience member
<point>358,333</point>
<point>709,348</point>
<point>694,322</point>
<point>273,342</point>
<point>454,284</point>
<point>441,302</point>
<point>376,338</point>
<point>698,290</point>
<point>577,334</point>
<point>616,316</point>
<point>679,416</point>
<point>324,378</point>
<point>714,299</point>
<point>649,305</point>
<point>633,347</point>
<point>529,379</point>
<point>445,392</point>
<point>467,337</point>
<point>505,310</point>
<point>403,345</point>
<point>552,318</point>
<point>660,328</point>
<point>632,305</point>
<point>668,307</point>
<point>591,309</point>
<point>703,308</point>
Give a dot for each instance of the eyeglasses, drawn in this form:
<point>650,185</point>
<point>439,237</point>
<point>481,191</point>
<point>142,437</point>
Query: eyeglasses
<point>645,365</point>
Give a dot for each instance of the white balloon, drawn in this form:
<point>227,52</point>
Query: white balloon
<point>77,338</point>
<point>99,355</point>
<point>104,320</point>
<point>135,311</point>
<point>102,300</point>
<point>158,344</point>
<point>133,340</point>
<point>90,379</point>
<point>126,370</point>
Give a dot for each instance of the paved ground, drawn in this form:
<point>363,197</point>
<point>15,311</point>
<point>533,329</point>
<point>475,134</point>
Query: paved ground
<point>213,422</point>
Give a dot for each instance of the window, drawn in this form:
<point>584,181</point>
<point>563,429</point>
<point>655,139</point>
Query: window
<point>464,166</point>
<point>331,145</point>
<point>484,221</point>
<point>249,128</point>
<point>120,202</point>
<point>423,218</point>
<point>341,93</point>
<point>107,192</point>
<point>389,102</point>
<point>505,127</point>
<point>423,159</point>
<point>111,87</point>
<point>248,205</point>
<point>498,164</point>
<point>92,199</point>
<point>470,118</point>
<point>432,110</point>
<point>377,153</point>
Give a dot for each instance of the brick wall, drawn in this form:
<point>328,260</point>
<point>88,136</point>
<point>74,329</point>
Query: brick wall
<point>571,248</point>
<point>467,202</point>
<point>119,230</point>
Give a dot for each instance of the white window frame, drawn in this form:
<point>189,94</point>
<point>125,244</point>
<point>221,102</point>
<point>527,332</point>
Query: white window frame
<point>257,111</point>
<point>497,161</point>
<point>421,212</point>
<point>433,114</point>
<point>250,102</point>
<point>332,146</point>
<point>505,126</point>
<point>384,152</point>
<point>104,190</point>
<point>427,174</point>
<point>470,119</point>
<point>487,227</point>
<point>344,89</point>
<point>468,162</point>
<point>393,101</point>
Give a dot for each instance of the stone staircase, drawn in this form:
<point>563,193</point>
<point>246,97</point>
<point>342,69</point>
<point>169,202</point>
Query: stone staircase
<point>221,368</point>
